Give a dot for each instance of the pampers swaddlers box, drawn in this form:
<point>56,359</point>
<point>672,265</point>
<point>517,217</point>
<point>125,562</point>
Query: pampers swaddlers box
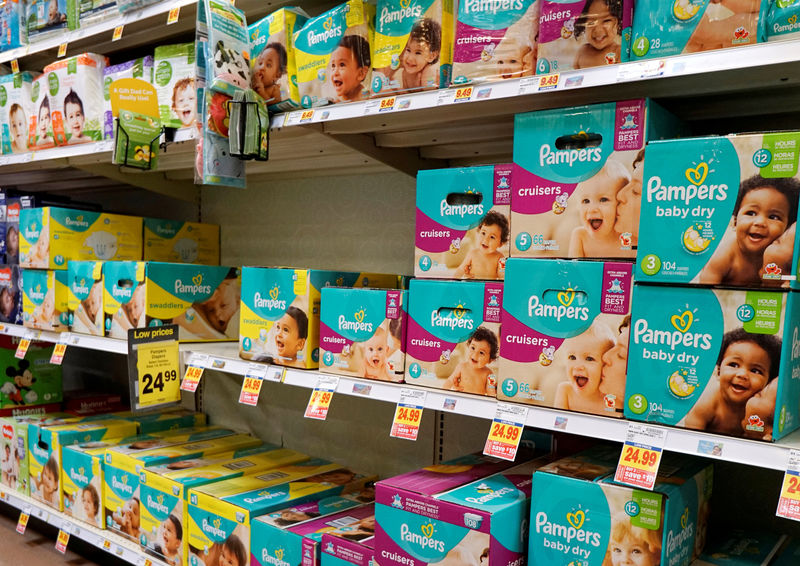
<point>453,335</point>
<point>50,236</point>
<point>721,211</point>
<point>413,46</point>
<point>689,348</point>
<point>575,175</point>
<point>565,333</point>
<point>16,108</point>
<point>45,299</point>
<point>181,242</point>
<point>141,68</point>
<point>123,297</point>
<point>332,53</point>
<point>75,86</point>
<point>280,311</point>
<point>462,222</point>
<point>688,26</point>
<point>362,332</point>
<point>85,299</point>
<point>575,34</point>
<point>495,41</point>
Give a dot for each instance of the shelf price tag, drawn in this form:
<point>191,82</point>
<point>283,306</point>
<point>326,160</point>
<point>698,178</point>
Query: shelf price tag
<point>251,386</point>
<point>22,347</point>
<point>22,523</point>
<point>387,104</point>
<point>506,431</point>
<point>527,85</point>
<point>60,349</point>
<point>445,96</point>
<point>63,539</point>
<point>117,35</point>
<point>408,414</point>
<point>463,94</point>
<point>789,502</point>
<point>194,371</point>
<point>14,66</point>
<point>321,397</point>
<point>173,15</point>
<point>153,366</point>
<point>641,456</point>
<point>548,82</point>
<point>275,373</point>
<point>62,50</point>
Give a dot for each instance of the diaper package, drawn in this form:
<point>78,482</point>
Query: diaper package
<point>565,334</point>
<point>424,516</point>
<point>85,299</point>
<point>332,53</point>
<point>29,382</point>
<point>14,462</point>
<point>782,20</point>
<point>721,211</point>
<point>40,129</point>
<point>273,70</point>
<point>462,223</point>
<point>671,28</point>
<point>92,11</point>
<point>577,178</point>
<point>576,34</point>
<point>413,46</point>
<point>10,294</point>
<point>742,548</point>
<point>75,87</point>
<point>45,444</point>
<point>52,236</point>
<point>221,514</point>
<point>13,25</point>
<point>141,68</point>
<point>362,332</point>
<point>453,335</point>
<point>577,495</point>
<point>181,242</point>
<point>123,297</point>
<point>686,345</point>
<point>48,17</point>
<point>13,206</point>
<point>296,540</point>
<point>339,549</point>
<point>154,423</point>
<point>173,76</point>
<point>495,41</point>
<point>164,493</point>
<point>45,297</point>
<point>280,311</point>
<point>16,108</point>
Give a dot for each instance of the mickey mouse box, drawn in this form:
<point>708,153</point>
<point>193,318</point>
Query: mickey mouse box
<point>32,381</point>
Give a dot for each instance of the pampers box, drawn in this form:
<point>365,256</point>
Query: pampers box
<point>671,28</point>
<point>123,297</point>
<point>85,299</point>
<point>50,236</point>
<point>453,335</point>
<point>32,381</point>
<point>362,332</point>
<point>565,334</point>
<point>742,548</point>
<point>495,41</point>
<point>576,177</point>
<point>689,348</point>
<point>75,86</point>
<point>273,71</point>
<point>173,76</point>
<point>45,297</point>
<point>181,242</point>
<point>280,311</point>
<point>782,20</point>
<point>576,34</point>
<point>332,53</point>
<point>579,516</point>
<point>413,46</point>
<point>16,109</point>
<point>141,68</point>
<point>340,547</point>
<point>462,222</point>
<point>721,211</point>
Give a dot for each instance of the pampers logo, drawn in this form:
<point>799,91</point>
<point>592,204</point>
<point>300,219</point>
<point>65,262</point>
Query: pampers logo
<point>491,495</point>
<point>78,476</point>
<point>121,292</point>
<point>424,540</point>
<point>453,319</point>
<point>272,302</point>
<point>79,287</point>
<point>214,529</point>
<point>36,293</point>
<point>195,288</point>
<point>570,156</point>
<point>157,504</point>
<point>791,25</point>
<point>276,560</point>
<point>32,231</point>
<point>563,309</point>
<point>330,32</point>
<point>121,486</point>
<point>461,210</point>
<point>675,541</point>
<point>491,6</point>
<point>165,229</point>
<point>696,189</point>
<point>405,12</point>
<point>265,496</point>
<point>77,221</point>
<point>573,531</point>
<point>355,325</point>
<point>681,336</point>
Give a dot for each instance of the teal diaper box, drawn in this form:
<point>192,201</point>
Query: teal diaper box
<point>716,360</point>
<point>782,20</point>
<point>742,548</point>
<point>721,211</point>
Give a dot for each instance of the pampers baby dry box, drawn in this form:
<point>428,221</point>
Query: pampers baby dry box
<point>717,360</point>
<point>565,333</point>
<point>462,222</point>
<point>453,335</point>
<point>721,211</point>
<point>495,40</point>
<point>576,175</point>
<point>688,26</point>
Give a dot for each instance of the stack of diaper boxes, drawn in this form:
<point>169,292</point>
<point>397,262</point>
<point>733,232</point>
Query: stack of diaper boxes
<point>717,349</point>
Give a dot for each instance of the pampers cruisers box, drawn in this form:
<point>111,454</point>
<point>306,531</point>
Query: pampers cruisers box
<point>363,332</point>
<point>181,242</point>
<point>45,298</point>
<point>453,335</point>
<point>340,549</point>
<point>50,236</point>
<point>577,178</point>
<point>721,211</point>
<point>565,334</point>
<point>580,516</point>
<point>462,226</point>
<point>85,298</point>
<point>717,360</point>
<point>280,311</point>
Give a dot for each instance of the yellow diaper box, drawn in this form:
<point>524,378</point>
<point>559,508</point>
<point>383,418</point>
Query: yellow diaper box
<point>85,297</point>
<point>45,298</point>
<point>49,237</point>
<point>181,242</point>
<point>280,311</point>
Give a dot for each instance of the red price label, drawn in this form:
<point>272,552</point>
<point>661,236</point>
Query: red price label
<point>638,465</point>
<point>306,116</point>
<point>463,94</point>
<point>789,502</point>
<point>22,348</point>
<point>387,104</point>
<point>58,354</point>
<point>318,404</point>
<point>22,524</point>
<point>173,16</point>
<point>192,378</point>
<point>406,422</point>
<point>548,82</point>
<point>62,541</point>
<point>117,35</point>
<point>251,389</point>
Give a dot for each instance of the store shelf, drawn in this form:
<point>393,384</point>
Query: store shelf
<point>110,542</point>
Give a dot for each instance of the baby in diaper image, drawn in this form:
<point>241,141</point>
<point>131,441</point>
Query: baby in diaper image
<point>484,261</point>
<point>600,22</point>
<point>217,311</point>
<point>130,315</point>
<point>287,337</point>
<point>89,310</point>
<point>417,63</point>
<point>184,101</point>
<point>19,128</point>
<point>230,552</point>
<point>765,212</point>
<point>127,519</point>
<point>170,539</point>
<point>44,139</point>
<point>270,66</point>
<point>44,315</point>
<point>89,504</point>
<point>348,67</point>
<point>375,354</point>
<point>584,368</point>
<point>473,374</point>
<point>45,485</point>
<point>75,116</point>
<point>632,545</point>
<point>746,364</point>
<point>725,23</point>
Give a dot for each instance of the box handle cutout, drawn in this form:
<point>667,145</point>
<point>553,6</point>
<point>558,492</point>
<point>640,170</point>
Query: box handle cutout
<point>455,199</point>
<point>580,140</point>
<point>457,312</point>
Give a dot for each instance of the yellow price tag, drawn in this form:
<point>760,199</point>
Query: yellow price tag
<point>506,431</point>
<point>387,104</point>
<point>117,35</point>
<point>191,379</point>
<point>306,116</point>
<point>640,457</point>
<point>153,364</point>
<point>62,50</point>
<point>22,348</point>
<point>14,66</point>
<point>408,414</point>
<point>789,502</point>
<point>173,16</point>
<point>251,389</point>
<point>548,82</point>
<point>58,354</point>
<point>62,541</point>
<point>463,94</point>
<point>106,544</point>
<point>321,398</point>
<point>22,524</point>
